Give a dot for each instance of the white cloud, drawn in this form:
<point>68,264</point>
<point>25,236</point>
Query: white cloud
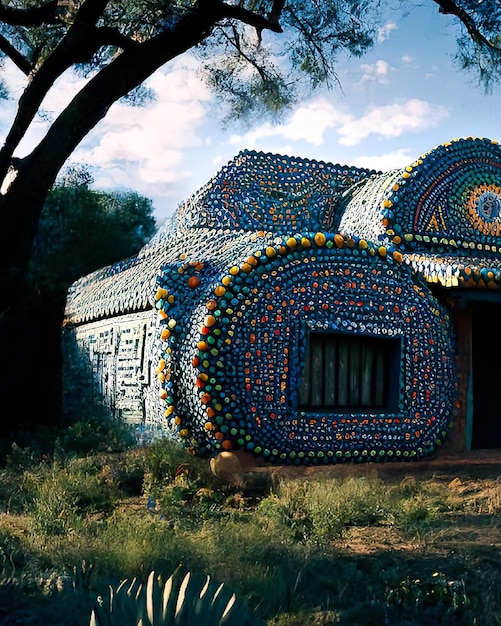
<point>308,123</point>
<point>393,120</point>
<point>407,59</point>
<point>134,148</point>
<point>378,71</point>
<point>14,79</point>
<point>154,136</point>
<point>386,161</point>
<point>433,73</point>
<point>141,147</point>
<point>252,138</point>
<point>383,33</point>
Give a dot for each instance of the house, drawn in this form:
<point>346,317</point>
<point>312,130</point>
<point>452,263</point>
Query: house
<point>307,313</point>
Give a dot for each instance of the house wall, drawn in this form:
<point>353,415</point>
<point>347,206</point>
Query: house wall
<point>275,248</point>
<point>111,362</point>
<point>219,365</point>
<point>459,438</point>
<point>234,365</point>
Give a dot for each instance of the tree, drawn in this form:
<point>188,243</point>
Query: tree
<point>120,43</point>
<point>80,230</point>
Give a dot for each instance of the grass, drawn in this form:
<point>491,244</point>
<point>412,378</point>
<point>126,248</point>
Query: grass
<point>351,548</point>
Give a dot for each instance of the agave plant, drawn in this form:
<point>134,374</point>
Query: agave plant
<point>184,599</point>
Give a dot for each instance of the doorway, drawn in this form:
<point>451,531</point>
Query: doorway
<point>486,374</point>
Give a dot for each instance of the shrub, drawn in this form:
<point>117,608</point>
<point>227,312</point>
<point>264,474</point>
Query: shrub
<point>164,460</point>
<point>94,434</point>
<point>182,600</point>
<point>318,511</point>
<point>59,497</point>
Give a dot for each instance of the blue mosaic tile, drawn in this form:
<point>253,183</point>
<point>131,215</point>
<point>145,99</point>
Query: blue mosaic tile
<point>274,248</point>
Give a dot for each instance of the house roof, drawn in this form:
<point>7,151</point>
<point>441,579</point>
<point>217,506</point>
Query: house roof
<point>449,198</point>
<point>282,194</point>
<point>130,285</point>
<point>443,212</point>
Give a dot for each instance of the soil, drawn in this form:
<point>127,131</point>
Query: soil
<point>472,463</point>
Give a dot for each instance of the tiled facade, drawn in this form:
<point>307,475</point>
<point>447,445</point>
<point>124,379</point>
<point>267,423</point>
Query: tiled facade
<point>205,335</point>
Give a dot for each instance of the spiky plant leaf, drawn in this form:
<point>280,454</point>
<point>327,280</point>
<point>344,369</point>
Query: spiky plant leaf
<point>153,599</point>
<point>181,604</point>
<point>184,599</point>
<point>169,600</point>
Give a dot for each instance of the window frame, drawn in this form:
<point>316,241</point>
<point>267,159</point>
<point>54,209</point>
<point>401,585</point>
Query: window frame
<point>380,355</point>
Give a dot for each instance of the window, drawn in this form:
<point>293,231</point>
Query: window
<point>350,373</point>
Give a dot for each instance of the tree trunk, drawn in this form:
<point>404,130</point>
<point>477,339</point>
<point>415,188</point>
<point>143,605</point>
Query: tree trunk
<point>29,373</point>
<point>21,206</point>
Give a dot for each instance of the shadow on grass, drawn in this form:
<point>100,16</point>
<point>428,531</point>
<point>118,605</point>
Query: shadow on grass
<point>383,588</point>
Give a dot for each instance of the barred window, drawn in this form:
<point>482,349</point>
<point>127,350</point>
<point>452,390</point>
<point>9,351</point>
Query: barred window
<point>350,373</point>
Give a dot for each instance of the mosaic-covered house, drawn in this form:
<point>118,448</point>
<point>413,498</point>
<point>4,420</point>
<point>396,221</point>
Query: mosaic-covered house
<point>305,312</point>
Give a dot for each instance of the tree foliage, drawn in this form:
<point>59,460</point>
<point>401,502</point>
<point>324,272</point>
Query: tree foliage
<point>82,230</point>
<point>258,54</point>
<point>479,44</point>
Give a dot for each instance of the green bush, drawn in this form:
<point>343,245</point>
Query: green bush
<point>94,434</point>
<point>59,498</point>
<point>318,511</point>
<point>164,460</point>
<point>433,592</point>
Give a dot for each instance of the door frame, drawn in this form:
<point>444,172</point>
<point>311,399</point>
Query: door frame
<point>461,303</point>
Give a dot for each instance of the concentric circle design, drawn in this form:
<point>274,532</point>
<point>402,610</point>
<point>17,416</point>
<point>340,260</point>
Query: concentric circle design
<point>483,209</point>
<point>245,349</point>
<point>450,196</point>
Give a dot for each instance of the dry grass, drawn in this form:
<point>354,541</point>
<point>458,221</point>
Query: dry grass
<point>402,545</point>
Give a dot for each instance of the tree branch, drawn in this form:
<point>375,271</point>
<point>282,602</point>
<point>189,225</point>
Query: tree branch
<point>16,57</point>
<point>90,11</point>
<point>259,22</point>
<point>276,12</point>
<point>129,69</point>
<point>78,45</point>
<point>91,103</point>
<point>110,36</point>
<point>449,7</point>
<point>235,41</point>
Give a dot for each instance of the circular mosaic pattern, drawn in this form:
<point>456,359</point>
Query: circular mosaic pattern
<point>451,196</point>
<point>243,352</point>
<point>483,209</point>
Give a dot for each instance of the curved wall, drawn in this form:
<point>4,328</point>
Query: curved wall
<point>234,367</point>
<point>273,252</point>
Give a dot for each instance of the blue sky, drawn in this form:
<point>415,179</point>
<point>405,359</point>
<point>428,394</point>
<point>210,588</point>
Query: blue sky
<point>397,102</point>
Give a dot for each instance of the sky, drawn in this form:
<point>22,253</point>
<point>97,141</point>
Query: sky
<point>397,102</point>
